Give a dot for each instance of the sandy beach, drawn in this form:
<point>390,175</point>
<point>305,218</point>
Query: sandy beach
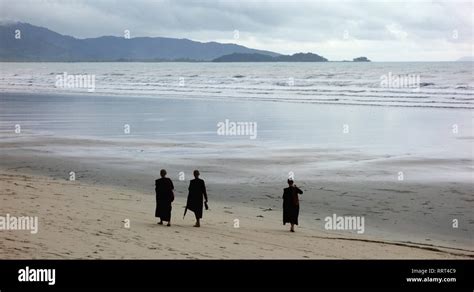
<point>357,174</point>
<point>80,220</point>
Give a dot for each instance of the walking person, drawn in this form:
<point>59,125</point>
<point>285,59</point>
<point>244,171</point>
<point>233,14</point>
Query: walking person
<point>164,197</point>
<point>197,192</point>
<point>291,204</point>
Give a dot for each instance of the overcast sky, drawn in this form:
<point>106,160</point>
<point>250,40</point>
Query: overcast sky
<point>381,30</point>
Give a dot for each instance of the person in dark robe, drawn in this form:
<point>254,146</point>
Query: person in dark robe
<point>197,192</point>
<point>164,197</point>
<point>291,204</point>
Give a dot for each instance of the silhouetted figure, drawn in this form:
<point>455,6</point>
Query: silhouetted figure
<point>197,191</point>
<point>164,196</point>
<point>291,205</point>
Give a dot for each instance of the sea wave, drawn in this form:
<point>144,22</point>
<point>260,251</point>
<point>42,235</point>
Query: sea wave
<point>446,86</point>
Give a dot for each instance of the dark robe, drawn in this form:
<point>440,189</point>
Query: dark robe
<point>164,196</point>
<point>197,191</point>
<point>291,205</point>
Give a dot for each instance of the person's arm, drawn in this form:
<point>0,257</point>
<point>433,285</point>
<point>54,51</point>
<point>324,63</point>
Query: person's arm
<point>298,190</point>
<point>172,186</point>
<point>204,192</point>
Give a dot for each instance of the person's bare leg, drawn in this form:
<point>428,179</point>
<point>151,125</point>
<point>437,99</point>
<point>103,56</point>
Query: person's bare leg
<point>197,222</point>
<point>169,223</point>
<point>161,222</point>
<point>292,227</point>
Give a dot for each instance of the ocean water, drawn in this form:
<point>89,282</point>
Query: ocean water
<point>295,105</point>
<point>413,84</point>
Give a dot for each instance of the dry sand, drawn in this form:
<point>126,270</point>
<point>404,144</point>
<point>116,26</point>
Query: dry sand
<point>84,220</point>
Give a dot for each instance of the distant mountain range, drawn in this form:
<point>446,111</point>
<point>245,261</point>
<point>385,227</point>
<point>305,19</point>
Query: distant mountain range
<point>300,57</point>
<point>41,44</point>
<point>23,42</point>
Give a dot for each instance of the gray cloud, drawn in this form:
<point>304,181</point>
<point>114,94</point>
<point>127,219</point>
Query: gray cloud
<point>388,30</point>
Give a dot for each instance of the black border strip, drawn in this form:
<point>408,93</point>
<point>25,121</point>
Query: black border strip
<point>237,273</point>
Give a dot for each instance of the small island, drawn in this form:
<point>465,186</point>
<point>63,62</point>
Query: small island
<point>361,59</point>
<point>299,57</point>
